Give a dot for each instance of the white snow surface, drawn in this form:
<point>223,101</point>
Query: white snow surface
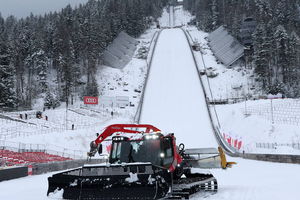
<point>27,188</point>
<point>249,180</point>
<point>256,127</point>
<point>256,180</point>
<point>164,20</point>
<point>87,119</point>
<point>223,85</point>
<point>174,100</point>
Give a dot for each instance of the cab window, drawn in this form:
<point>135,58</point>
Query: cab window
<point>167,150</point>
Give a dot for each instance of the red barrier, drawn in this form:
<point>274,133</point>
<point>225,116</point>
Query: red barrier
<point>239,145</point>
<point>29,170</point>
<point>236,143</point>
<point>229,140</point>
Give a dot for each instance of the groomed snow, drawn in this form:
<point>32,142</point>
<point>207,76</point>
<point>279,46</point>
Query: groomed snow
<point>257,128</point>
<point>27,188</point>
<point>174,100</point>
<point>257,180</point>
<point>249,180</point>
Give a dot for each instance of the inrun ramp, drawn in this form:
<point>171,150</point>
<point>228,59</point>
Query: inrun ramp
<point>174,100</point>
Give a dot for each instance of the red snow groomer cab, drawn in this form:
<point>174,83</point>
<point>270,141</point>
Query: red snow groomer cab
<point>149,166</point>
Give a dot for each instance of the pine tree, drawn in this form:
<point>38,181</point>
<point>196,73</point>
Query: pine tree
<point>69,44</point>
<point>281,39</point>
<point>291,88</point>
<point>91,89</point>
<point>260,55</point>
<point>8,98</point>
<point>48,100</point>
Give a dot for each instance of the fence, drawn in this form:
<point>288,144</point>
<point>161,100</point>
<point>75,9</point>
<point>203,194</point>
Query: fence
<point>273,157</point>
<point>276,145</point>
<point>50,149</point>
<point>282,111</point>
<point>104,112</point>
<point>226,101</point>
<point>57,123</point>
<point>21,133</point>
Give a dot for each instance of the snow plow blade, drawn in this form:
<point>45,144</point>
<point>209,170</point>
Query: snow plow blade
<point>207,158</point>
<point>112,181</point>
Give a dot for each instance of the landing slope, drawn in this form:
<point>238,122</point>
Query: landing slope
<point>174,100</point>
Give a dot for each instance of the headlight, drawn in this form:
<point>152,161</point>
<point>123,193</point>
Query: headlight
<point>162,155</point>
<point>153,137</point>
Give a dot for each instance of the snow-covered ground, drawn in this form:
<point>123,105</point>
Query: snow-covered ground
<point>235,82</point>
<point>87,119</point>
<point>249,180</point>
<point>181,16</point>
<point>52,134</point>
<point>27,188</point>
<point>174,102</point>
<point>250,121</point>
<point>164,21</point>
<point>257,180</point>
<point>127,82</point>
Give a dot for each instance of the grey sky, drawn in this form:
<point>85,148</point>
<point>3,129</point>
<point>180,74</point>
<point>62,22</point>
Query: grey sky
<point>22,8</point>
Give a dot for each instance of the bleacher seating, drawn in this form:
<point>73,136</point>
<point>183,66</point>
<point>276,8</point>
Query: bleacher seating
<point>11,158</point>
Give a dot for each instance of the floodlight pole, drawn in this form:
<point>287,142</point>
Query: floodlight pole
<point>272,111</point>
<point>246,106</point>
<point>67,105</point>
<point>67,115</point>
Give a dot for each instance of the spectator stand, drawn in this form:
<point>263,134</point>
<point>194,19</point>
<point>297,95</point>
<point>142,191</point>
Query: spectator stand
<point>16,154</point>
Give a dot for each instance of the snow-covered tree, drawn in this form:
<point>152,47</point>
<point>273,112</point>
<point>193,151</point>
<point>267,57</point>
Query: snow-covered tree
<point>8,98</point>
<point>282,61</point>
<point>68,44</point>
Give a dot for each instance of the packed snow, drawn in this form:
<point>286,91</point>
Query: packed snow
<point>248,180</point>
<point>251,122</point>
<point>174,100</point>
<point>256,180</point>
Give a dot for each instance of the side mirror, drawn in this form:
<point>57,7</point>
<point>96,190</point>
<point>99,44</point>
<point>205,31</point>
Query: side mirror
<point>181,148</point>
<point>100,149</point>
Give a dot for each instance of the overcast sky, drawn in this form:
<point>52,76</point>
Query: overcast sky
<point>22,8</point>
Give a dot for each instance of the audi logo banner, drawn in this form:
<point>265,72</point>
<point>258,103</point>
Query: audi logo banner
<point>90,100</point>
